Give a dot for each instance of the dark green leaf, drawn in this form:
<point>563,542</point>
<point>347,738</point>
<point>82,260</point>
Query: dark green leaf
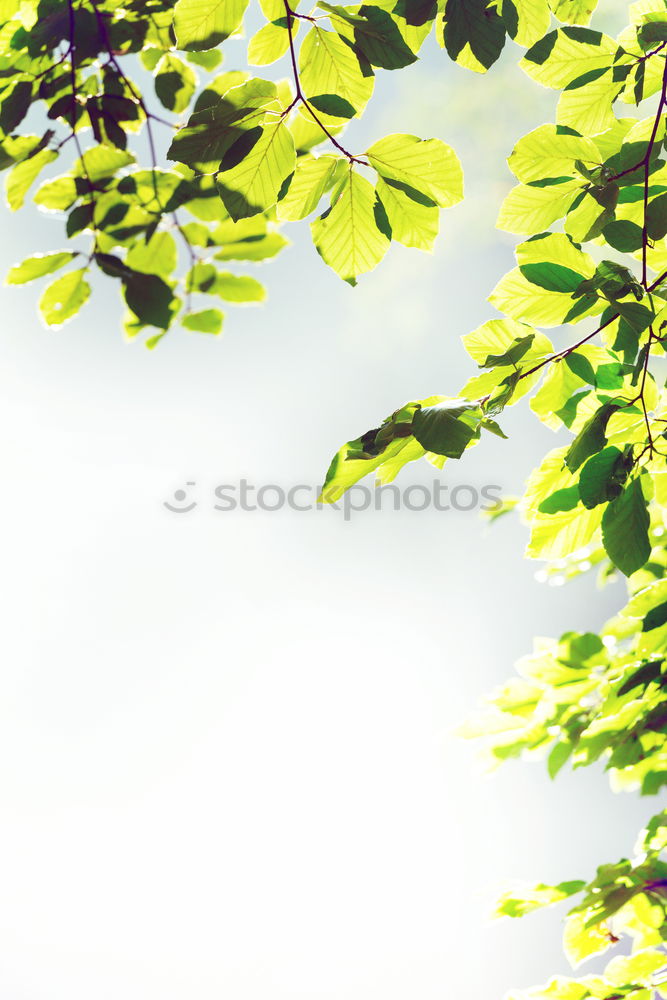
<point>447,428</point>
<point>552,277</point>
<point>561,500</point>
<point>655,618</point>
<point>591,438</point>
<point>473,23</point>
<point>602,477</point>
<point>625,525</point>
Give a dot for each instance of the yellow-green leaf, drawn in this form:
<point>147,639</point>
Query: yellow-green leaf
<point>414,220</point>
<point>205,321</point>
<point>573,11</point>
<point>545,152</point>
<point>63,299</point>
<point>38,266</point>
<point>529,209</point>
<point>567,54</point>
<point>203,24</point>
<point>427,165</point>
<point>330,68</point>
<point>534,19</point>
<point>269,44</point>
<point>309,182</point>
<point>254,183</point>
<point>158,256</point>
<point>20,178</point>
<point>175,82</point>
<point>347,236</point>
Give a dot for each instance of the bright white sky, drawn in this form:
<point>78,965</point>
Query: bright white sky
<point>227,761</point>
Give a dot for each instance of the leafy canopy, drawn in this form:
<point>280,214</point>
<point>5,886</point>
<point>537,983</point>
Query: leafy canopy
<point>247,156</point>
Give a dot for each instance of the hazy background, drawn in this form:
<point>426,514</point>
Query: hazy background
<point>227,761</point>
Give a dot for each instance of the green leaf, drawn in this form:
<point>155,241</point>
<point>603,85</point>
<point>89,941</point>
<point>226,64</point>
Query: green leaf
<point>529,209</point>
<point>39,265</point>
<point>311,179</point>
<point>581,942</point>
<point>563,499</point>
<point>515,903</point>
<point>203,24</point>
<point>447,428</point>
<point>623,235</point>
<point>150,299</point>
<point>201,278</point>
<point>591,438</point>
<point>648,672</point>
<point>602,477</point>
<point>63,299</point>
<point>613,280</point>
<point>175,83</point>
<point>588,109</point>
<point>252,185</point>
<point>347,467</point>
<point>651,33</point>
<point>100,162</point>
<point>238,288</point>
<point>21,177</point>
<point>15,105</point>
<point>206,321</point>
<point>329,66</point>
<point>558,756</point>
<point>157,256</point>
<point>556,535</point>
<point>625,525</point>
<point>374,33</point>
<point>212,130</point>
<point>253,248</point>
<point>547,153</point>
<point>519,298</point>
<point>274,9</point>
<point>555,248</point>
<point>573,11</point>
<point>428,166</point>
<point>57,194</point>
<point>347,236</point>
<point>565,55</point>
<point>208,60</point>
<point>581,366</point>
<point>333,106</point>
<point>413,218</point>
<point>512,355</point>
<point>656,617</point>
<point>656,218</point>
<point>472,28</point>
<point>498,338</point>
<point>270,43</point>
<point>552,277</point>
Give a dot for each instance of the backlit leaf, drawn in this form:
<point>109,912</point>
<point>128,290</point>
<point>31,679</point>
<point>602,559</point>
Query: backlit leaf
<point>203,24</point>
<point>348,236</point>
<point>63,299</point>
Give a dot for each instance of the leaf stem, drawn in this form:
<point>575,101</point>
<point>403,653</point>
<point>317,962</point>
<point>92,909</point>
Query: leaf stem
<point>300,98</point>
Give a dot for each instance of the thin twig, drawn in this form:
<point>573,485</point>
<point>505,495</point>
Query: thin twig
<point>149,117</point>
<point>84,166</point>
<point>568,350</point>
<point>301,99</point>
<point>647,172</point>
